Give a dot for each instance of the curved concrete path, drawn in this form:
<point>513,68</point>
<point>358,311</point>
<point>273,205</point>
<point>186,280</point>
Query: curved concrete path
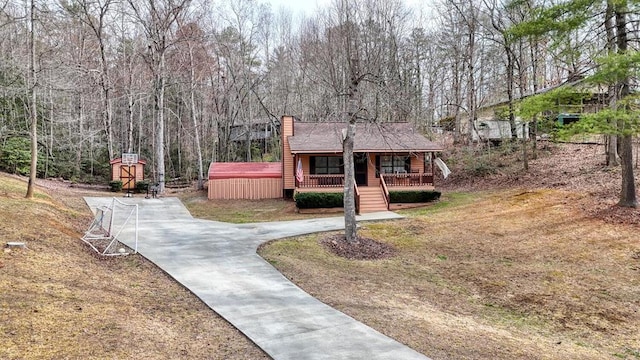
<point>218,263</point>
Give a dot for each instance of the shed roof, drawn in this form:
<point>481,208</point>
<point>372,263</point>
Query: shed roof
<point>244,170</point>
<point>370,137</point>
<point>119,160</point>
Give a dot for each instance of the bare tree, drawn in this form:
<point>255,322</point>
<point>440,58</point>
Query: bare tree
<point>94,13</point>
<point>33,104</point>
<point>158,19</point>
<point>500,23</point>
<point>195,61</point>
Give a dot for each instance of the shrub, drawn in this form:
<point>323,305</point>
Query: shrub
<point>115,185</point>
<point>15,156</point>
<point>413,196</point>
<point>481,167</point>
<point>318,200</point>
<point>142,186</point>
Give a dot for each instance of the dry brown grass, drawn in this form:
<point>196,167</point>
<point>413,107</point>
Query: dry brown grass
<point>241,211</point>
<point>501,275</point>
<point>59,300</point>
<point>526,273</point>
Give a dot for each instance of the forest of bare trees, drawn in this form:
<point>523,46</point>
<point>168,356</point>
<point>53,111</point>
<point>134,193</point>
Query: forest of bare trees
<point>170,79</point>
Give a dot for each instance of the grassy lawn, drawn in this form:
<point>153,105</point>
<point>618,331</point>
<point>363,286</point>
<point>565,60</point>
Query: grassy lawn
<point>241,211</point>
<point>524,274</point>
<point>58,300</point>
<point>500,275</point>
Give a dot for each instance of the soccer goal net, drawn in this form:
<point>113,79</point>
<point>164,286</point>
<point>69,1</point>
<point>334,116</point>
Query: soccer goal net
<point>112,225</point>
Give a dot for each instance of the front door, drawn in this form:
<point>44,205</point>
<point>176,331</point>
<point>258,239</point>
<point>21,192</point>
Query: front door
<point>360,165</point>
<point>128,177</point>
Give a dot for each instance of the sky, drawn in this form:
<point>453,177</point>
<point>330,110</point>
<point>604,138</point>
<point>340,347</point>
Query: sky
<point>298,7</point>
<point>307,7</point>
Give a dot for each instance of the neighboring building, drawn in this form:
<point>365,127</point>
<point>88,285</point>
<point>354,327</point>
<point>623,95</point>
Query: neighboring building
<point>247,180</point>
<point>491,125</point>
<point>390,155</point>
<point>128,171</point>
<point>488,129</point>
<point>261,132</point>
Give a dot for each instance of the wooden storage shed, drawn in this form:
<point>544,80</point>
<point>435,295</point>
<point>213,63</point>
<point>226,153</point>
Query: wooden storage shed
<point>248,180</point>
<point>129,174</point>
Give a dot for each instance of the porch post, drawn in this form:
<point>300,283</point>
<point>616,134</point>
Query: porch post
<point>295,170</point>
<point>433,173</point>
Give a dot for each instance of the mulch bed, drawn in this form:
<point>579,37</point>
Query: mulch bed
<point>363,249</point>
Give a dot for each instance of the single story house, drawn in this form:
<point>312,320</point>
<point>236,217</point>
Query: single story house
<point>386,156</point>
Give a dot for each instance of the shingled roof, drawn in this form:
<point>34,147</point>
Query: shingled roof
<point>326,137</point>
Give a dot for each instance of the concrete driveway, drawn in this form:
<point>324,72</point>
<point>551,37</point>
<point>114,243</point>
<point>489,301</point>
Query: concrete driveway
<point>218,263</point>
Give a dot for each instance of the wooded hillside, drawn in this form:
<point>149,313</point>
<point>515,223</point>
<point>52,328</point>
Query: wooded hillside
<point>184,82</point>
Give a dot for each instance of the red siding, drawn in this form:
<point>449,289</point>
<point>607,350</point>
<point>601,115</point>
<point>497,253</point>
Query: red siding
<point>287,157</point>
<point>245,170</point>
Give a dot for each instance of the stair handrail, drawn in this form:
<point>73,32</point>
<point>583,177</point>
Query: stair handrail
<point>355,187</point>
<point>385,191</point>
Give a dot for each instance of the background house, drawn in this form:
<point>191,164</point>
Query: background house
<point>256,136</point>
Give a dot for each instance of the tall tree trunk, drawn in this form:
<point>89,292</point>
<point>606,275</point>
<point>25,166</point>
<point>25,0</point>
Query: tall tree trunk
<point>159,107</point>
<point>34,111</point>
<point>628,193</point>
<point>350,224</point>
<point>510,81</point>
<point>194,118</point>
<point>611,150</point>
<point>106,94</point>
<point>472,81</point>
<point>130,117</point>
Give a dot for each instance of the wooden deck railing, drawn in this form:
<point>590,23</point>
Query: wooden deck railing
<point>321,181</point>
<point>389,180</point>
<point>385,191</point>
<point>355,188</point>
<point>405,180</point>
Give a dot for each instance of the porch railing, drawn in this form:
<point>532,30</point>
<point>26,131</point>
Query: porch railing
<point>409,179</point>
<point>355,188</point>
<point>385,191</point>
<point>321,181</point>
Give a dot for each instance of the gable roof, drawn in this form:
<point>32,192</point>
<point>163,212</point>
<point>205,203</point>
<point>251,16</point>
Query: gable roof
<point>244,170</point>
<point>119,160</point>
<point>326,137</point>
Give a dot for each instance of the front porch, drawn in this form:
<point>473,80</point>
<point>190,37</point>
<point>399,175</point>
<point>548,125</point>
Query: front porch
<point>398,182</point>
<point>372,198</point>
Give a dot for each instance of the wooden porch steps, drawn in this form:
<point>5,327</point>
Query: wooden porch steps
<point>371,199</point>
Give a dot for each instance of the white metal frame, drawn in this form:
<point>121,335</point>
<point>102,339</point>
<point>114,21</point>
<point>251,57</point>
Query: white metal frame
<point>98,232</point>
<point>129,159</point>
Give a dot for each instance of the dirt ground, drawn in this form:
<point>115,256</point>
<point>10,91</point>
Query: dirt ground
<point>571,167</point>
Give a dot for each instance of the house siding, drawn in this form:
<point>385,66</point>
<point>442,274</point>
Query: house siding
<point>241,188</point>
<point>288,166</point>
<point>417,163</point>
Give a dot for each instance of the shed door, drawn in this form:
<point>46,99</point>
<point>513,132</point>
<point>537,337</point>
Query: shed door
<point>128,177</point>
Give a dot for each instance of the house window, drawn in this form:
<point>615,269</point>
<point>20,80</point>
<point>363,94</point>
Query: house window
<point>322,165</point>
<point>392,164</point>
